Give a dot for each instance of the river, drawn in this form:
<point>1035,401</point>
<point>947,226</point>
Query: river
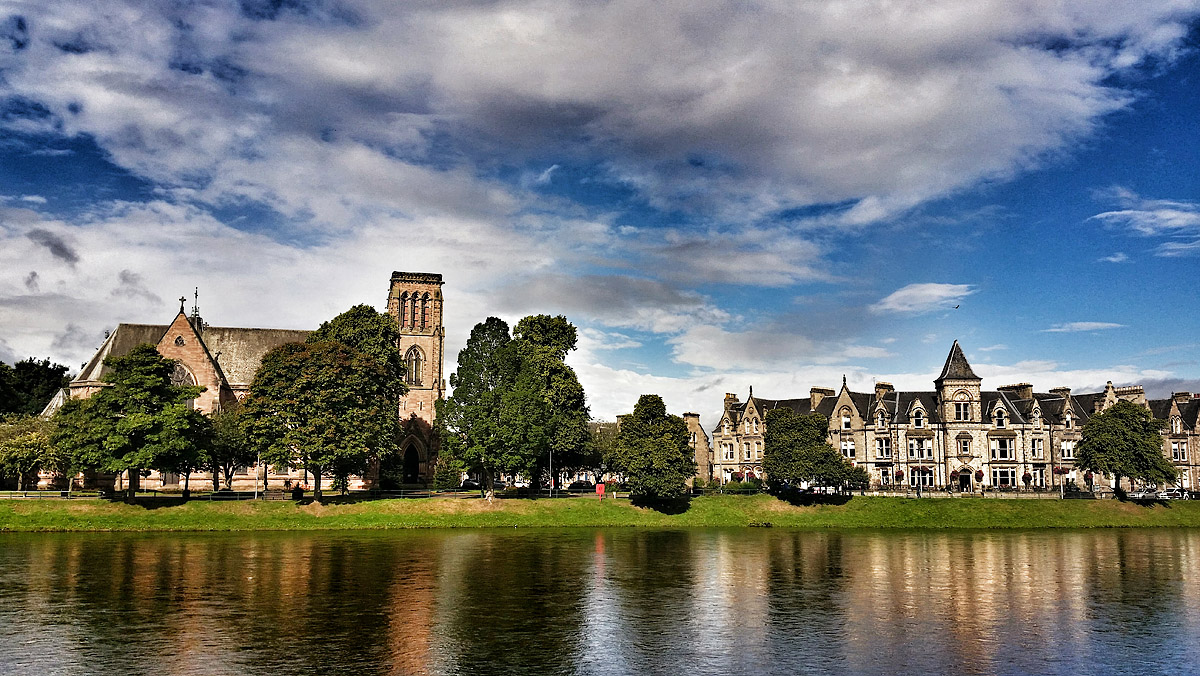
<point>629,601</point>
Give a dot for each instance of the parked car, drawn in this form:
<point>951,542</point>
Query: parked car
<point>1173,494</point>
<point>499,485</point>
<point>581,486</point>
<point>1144,494</point>
<point>470,485</point>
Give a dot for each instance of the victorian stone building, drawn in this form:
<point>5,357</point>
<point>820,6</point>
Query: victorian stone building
<point>958,434</point>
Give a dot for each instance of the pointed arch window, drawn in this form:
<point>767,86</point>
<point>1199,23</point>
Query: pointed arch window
<point>413,361</point>
<point>404,309</point>
<point>918,419</point>
<point>424,311</point>
<point>999,419</point>
<point>882,420</point>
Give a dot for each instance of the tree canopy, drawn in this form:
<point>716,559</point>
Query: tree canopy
<point>324,406</point>
<point>652,451</point>
<point>138,421</point>
<point>1125,440</point>
<point>30,384</point>
<point>370,332</point>
<point>516,406</point>
<point>795,450</point>
<point>25,449</point>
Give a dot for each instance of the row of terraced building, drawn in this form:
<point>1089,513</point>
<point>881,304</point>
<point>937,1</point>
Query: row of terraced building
<point>957,435</point>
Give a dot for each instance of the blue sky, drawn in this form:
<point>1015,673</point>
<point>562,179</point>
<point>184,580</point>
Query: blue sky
<point>719,194</point>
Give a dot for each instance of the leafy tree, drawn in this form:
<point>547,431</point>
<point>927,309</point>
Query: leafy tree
<point>447,471</point>
<point>791,444</point>
<point>229,448</point>
<point>370,332</point>
<point>1125,440</point>
<point>36,382</point>
<point>138,421</point>
<point>653,451</point>
<point>25,449</point>
<point>324,406</point>
<point>542,343</point>
<point>604,446</point>
<point>470,420</point>
<point>10,400</point>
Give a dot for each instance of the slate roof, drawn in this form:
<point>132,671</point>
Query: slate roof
<point>238,351</point>
<point>1160,408</point>
<point>956,367</point>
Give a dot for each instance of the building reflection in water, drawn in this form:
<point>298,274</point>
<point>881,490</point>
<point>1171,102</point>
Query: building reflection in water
<point>600,602</point>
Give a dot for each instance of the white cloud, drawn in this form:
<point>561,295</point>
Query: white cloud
<point>1118,257</point>
<point>918,298</point>
<point>992,348</point>
<point>1176,219</point>
<point>1075,327</point>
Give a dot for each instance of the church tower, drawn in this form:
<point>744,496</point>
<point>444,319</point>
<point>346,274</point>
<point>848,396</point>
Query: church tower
<point>415,302</point>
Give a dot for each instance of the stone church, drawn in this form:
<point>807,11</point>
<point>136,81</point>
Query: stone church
<point>223,360</point>
<point>957,435</point>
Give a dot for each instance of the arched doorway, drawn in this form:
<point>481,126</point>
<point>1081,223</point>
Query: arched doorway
<point>412,465</point>
<point>964,479</point>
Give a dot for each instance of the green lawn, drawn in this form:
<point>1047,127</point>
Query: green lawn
<point>707,511</point>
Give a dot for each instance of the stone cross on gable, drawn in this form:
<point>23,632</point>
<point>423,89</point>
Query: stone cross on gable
<point>182,300</point>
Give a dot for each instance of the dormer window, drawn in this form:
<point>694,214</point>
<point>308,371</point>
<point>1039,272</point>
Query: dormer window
<point>1176,425</point>
<point>756,425</point>
<point>845,420</point>
<point>918,419</point>
<point>999,419</point>
<point>1068,421</point>
<point>882,422</point>
<point>725,428</point>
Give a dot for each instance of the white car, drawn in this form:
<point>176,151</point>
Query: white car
<point>1173,494</point>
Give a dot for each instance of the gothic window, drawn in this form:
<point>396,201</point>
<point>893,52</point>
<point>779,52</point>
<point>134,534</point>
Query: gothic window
<point>413,361</point>
<point>845,419</point>
<point>882,420</point>
<point>179,341</point>
<point>999,419</point>
<point>756,425</point>
<point>918,419</point>
<point>424,311</point>
<point>181,377</point>
<point>962,406</point>
<point>1176,425</point>
<point>404,310</point>
<point>1067,420</point>
<point>412,311</point>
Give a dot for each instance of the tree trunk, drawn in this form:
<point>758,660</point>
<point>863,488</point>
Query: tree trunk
<point>317,483</point>
<point>216,479</point>
<point>187,477</point>
<point>135,482</point>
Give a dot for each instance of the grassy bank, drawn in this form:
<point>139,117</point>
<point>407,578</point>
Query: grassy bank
<point>708,511</point>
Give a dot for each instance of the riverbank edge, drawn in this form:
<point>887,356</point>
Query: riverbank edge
<point>879,513</point>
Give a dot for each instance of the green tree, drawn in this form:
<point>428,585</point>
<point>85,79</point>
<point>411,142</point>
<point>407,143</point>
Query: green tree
<point>10,400</point>
<point>138,421</point>
<point>542,343</point>
<point>1125,441</point>
<point>791,447</point>
<point>370,332</point>
<point>36,382</point>
<point>653,452</point>
<point>229,448</point>
<point>323,406</point>
<point>25,450</point>
<point>470,421</point>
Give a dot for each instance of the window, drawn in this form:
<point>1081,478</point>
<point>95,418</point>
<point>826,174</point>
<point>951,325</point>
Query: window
<point>1068,450</point>
<point>746,450</point>
<point>1000,419</point>
<point>404,309</point>
<point>918,419</point>
<point>845,420</point>
<point>746,424</point>
<point>1068,421</point>
<point>1176,425</point>
<point>964,446</point>
<point>424,311</point>
<point>1004,476</point>
<point>1037,449</point>
<point>1037,419</point>
<point>728,448</point>
<point>962,410</point>
<point>1179,450</point>
<point>756,425</point>
<point>692,438</point>
<point>920,448</point>
<point>1039,477</point>
<point>882,422</point>
<point>885,475</point>
<point>758,449</point>
<point>848,449</point>
<point>413,360</point>
<point>921,476</point>
<point>725,428</point>
<point>1002,449</point>
<point>883,448</point>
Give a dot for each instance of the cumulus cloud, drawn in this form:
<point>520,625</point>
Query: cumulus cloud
<point>918,298</point>
<point>693,105</point>
<point>1075,327</point>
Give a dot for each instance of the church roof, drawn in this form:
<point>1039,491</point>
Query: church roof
<point>237,351</point>
<point>956,367</point>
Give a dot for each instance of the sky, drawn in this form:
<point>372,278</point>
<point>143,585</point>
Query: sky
<point>719,195</point>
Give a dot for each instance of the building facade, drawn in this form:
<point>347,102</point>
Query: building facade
<point>415,301</point>
<point>957,435</point>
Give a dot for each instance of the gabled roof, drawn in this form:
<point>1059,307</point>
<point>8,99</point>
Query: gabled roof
<point>956,367</point>
<point>119,343</point>
<point>1161,408</point>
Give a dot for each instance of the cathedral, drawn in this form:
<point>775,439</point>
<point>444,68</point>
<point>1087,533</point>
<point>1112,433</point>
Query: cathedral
<point>223,360</point>
<point>957,435</point>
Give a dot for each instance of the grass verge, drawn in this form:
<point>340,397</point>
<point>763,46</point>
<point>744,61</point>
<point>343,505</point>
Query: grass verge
<point>707,511</point>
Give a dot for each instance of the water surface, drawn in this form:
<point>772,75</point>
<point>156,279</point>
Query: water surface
<point>627,601</point>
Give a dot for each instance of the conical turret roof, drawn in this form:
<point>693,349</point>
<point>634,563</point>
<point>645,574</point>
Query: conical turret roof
<point>957,367</point>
